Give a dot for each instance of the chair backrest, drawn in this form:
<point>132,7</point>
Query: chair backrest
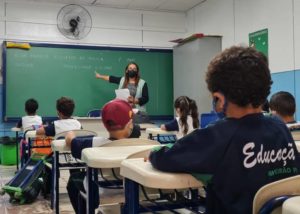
<point>94,113</point>
<point>78,133</point>
<point>142,154</point>
<point>207,118</point>
<point>296,135</point>
<point>287,186</point>
<point>131,142</point>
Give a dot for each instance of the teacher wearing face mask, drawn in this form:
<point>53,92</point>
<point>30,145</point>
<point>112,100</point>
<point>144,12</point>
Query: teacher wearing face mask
<point>137,87</point>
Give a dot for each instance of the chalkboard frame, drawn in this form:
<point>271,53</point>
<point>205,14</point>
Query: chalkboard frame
<point>70,46</point>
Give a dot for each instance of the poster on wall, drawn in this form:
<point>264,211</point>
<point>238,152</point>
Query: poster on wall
<point>259,40</point>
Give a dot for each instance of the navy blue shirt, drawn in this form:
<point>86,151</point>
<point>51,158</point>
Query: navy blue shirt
<point>172,125</point>
<point>242,155</point>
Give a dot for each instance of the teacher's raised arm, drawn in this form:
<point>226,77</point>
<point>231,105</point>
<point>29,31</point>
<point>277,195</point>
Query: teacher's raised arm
<point>137,87</point>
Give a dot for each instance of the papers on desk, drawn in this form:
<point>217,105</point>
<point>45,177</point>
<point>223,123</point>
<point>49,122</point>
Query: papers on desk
<point>122,94</point>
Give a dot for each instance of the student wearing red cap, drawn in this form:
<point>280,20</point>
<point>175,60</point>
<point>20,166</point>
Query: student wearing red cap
<point>117,118</point>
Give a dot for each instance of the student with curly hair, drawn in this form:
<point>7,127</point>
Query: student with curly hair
<point>244,151</point>
<point>187,117</point>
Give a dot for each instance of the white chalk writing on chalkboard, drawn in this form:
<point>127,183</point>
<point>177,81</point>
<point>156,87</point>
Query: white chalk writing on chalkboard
<point>130,60</point>
<point>24,65</point>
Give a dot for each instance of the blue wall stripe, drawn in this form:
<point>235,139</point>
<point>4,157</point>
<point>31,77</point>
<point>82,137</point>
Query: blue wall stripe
<point>287,81</point>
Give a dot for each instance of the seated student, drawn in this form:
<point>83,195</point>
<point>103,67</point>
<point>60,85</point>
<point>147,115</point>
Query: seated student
<point>26,122</point>
<point>187,117</point>
<point>117,118</point>
<point>283,105</point>
<point>245,150</point>
<point>65,107</point>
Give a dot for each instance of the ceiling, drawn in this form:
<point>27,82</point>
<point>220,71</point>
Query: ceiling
<point>154,5</point>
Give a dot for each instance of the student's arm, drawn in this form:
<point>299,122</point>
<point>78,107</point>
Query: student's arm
<point>77,144</point>
<point>171,126</point>
<point>69,137</point>
<point>19,124</point>
<point>41,131</point>
<point>199,152</point>
<point>46,130</point>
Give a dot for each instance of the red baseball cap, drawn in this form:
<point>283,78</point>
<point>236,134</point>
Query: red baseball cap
<point>116,114</point>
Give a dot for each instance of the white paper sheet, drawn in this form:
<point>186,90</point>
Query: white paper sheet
<point>122,94</point>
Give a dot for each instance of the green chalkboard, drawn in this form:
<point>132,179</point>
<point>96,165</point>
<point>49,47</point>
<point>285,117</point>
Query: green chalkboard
<point>47,72</point>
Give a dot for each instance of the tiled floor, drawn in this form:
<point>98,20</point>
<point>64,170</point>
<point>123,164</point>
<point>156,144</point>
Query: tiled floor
<point>42,205</point>
<point>110,199</point>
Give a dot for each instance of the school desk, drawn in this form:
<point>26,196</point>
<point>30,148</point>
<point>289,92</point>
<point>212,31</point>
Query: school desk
<point>29,135</point>
<point>158,131</point>
<point>144,126</point>
<point>105,158</point>
<point>291,205</point>
<point>17,130</point>
<point>160,135</point>
<point>60,150</point>
<point>58,147</point>
<point>137,171</point>
<point>93,124</point>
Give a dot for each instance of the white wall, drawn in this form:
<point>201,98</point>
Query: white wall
<point>213,17</point>
<point>32,21</point>
<point>235,19</point>
<point>297,33</point>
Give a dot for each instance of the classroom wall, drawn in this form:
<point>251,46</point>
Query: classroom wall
<point>32,21</point>
<point>235,19</point>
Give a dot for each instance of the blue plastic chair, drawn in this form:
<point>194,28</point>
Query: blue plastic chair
<point>274,203</point>
<point>272,195</point>
<point>208,118</point>
<point>94,113</point>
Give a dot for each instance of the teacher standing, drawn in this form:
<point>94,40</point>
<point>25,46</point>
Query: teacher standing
<point>137,87</point>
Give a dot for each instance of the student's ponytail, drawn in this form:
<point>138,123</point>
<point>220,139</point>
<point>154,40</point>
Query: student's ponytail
<point>194,113</point>
<point>182,103</point>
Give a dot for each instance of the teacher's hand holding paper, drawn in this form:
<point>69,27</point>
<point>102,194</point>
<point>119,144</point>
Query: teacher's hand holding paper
<point>122,94</point>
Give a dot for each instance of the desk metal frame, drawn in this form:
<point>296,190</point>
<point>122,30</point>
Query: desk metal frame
<point>132,204</point>
<point>55,177</point>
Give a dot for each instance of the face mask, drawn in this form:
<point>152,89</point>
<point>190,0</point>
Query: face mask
<point>132,73</point>
<point>222,113</point>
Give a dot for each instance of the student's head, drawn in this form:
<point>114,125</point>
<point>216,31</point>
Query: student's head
<point>283,104</point>
<point>131,71</point>
<point>65,107</point>
<point>185,106</point>
<point>117,118</point>
<point>241,76</point>
<point>31,105</point>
